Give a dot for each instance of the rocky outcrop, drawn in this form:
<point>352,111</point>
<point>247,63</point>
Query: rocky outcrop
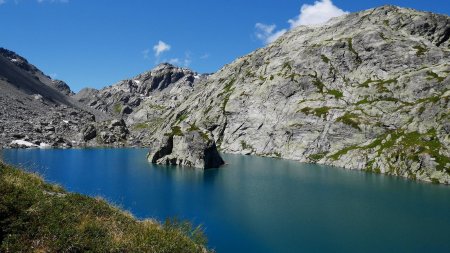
<point>142,100</point>
<point>185,146</point>
<point>62,87</point>
<point>366,91</point>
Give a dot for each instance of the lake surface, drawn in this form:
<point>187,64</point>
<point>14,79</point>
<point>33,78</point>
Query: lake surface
<point>260,204</point>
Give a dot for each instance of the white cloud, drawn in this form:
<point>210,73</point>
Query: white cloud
<point>267,33</point>
<point>145,53</point>
<point>53,1</point>
<point>174,61</point>
<point>2,2</point>
<point>160,48</point>
<point>315,14</point>
<point>187,59</point>
<point>318,13</point>
<point>204,56</point>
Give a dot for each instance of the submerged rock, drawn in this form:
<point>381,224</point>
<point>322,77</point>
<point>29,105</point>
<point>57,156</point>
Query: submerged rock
<point>192,147</point>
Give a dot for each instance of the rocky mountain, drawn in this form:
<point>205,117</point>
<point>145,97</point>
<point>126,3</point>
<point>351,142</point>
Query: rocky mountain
<point>23,64</point>
<point>141,100</point>
<point>35,110</point>
<point>365,91</point>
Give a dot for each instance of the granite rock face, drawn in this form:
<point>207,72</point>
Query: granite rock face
<point>366,91</point>
<point>142,100</point>
<point>190,147</point>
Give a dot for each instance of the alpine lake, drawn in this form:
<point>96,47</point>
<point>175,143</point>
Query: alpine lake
<point>256,204</point>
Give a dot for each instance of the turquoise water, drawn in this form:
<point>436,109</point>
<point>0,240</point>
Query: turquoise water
<point>260,204</point>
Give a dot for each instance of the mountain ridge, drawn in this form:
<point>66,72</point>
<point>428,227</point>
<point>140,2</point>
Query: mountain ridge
<point>366,91</point>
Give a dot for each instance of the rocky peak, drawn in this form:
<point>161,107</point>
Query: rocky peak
<point>161,77</point>
<point>23,64</point>
<point>364,91</point>
<point>62,86</point>
<point>18,60</point>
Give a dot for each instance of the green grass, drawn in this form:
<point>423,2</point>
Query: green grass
<point>319,84</point>
<point>420,50</point>
<point>286,65</point>
<point>245,145</point>
<point>363,101</point>
<point>317,157</point>
<point>337,94</point>
<point>208,109</point>
<point>366,83</point>
<point>118,108</point>
<point>350,119</point>
<point>193,127</point>
<point>140,126</point>
<point>40,217</point>
<point>432,75</point>
<point>407,144</point>
<point>341,152</point>
<point>379,84</point>
<point>229,86</point>
<point>157,107</point>
<point>175,131</point>
<point>181,117</point>
<point>350,47</point>
<point>325,58</point>
<point>319,112</point>
<point>227,91</point>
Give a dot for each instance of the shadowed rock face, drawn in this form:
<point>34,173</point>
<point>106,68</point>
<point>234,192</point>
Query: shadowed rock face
<point>366,91</point>
<point>37,74</point>
<point>186,147</point>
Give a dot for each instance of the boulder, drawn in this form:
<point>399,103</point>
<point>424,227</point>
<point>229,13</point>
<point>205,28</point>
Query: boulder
<point>89,132</point>
<point>192,148</point>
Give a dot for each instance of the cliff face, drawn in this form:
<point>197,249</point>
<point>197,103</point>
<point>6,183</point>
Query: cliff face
<point>367,91</point>
<point>142,100</point>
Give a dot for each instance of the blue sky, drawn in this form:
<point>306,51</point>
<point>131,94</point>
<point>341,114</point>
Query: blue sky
<point>94,43</point>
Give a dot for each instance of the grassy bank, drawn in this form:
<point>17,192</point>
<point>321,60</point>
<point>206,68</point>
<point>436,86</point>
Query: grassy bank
<point>39,217</point>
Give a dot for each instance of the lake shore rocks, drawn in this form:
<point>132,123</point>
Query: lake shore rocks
<point>190,147</point>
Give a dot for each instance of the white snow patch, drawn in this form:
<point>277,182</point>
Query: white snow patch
<point>66,121</point>
<point>37,96</point>
<point>23,143</point>
<point>14,60</point>
<point>44,145</point>
<point>137,81</point>
<point>197,76</point>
